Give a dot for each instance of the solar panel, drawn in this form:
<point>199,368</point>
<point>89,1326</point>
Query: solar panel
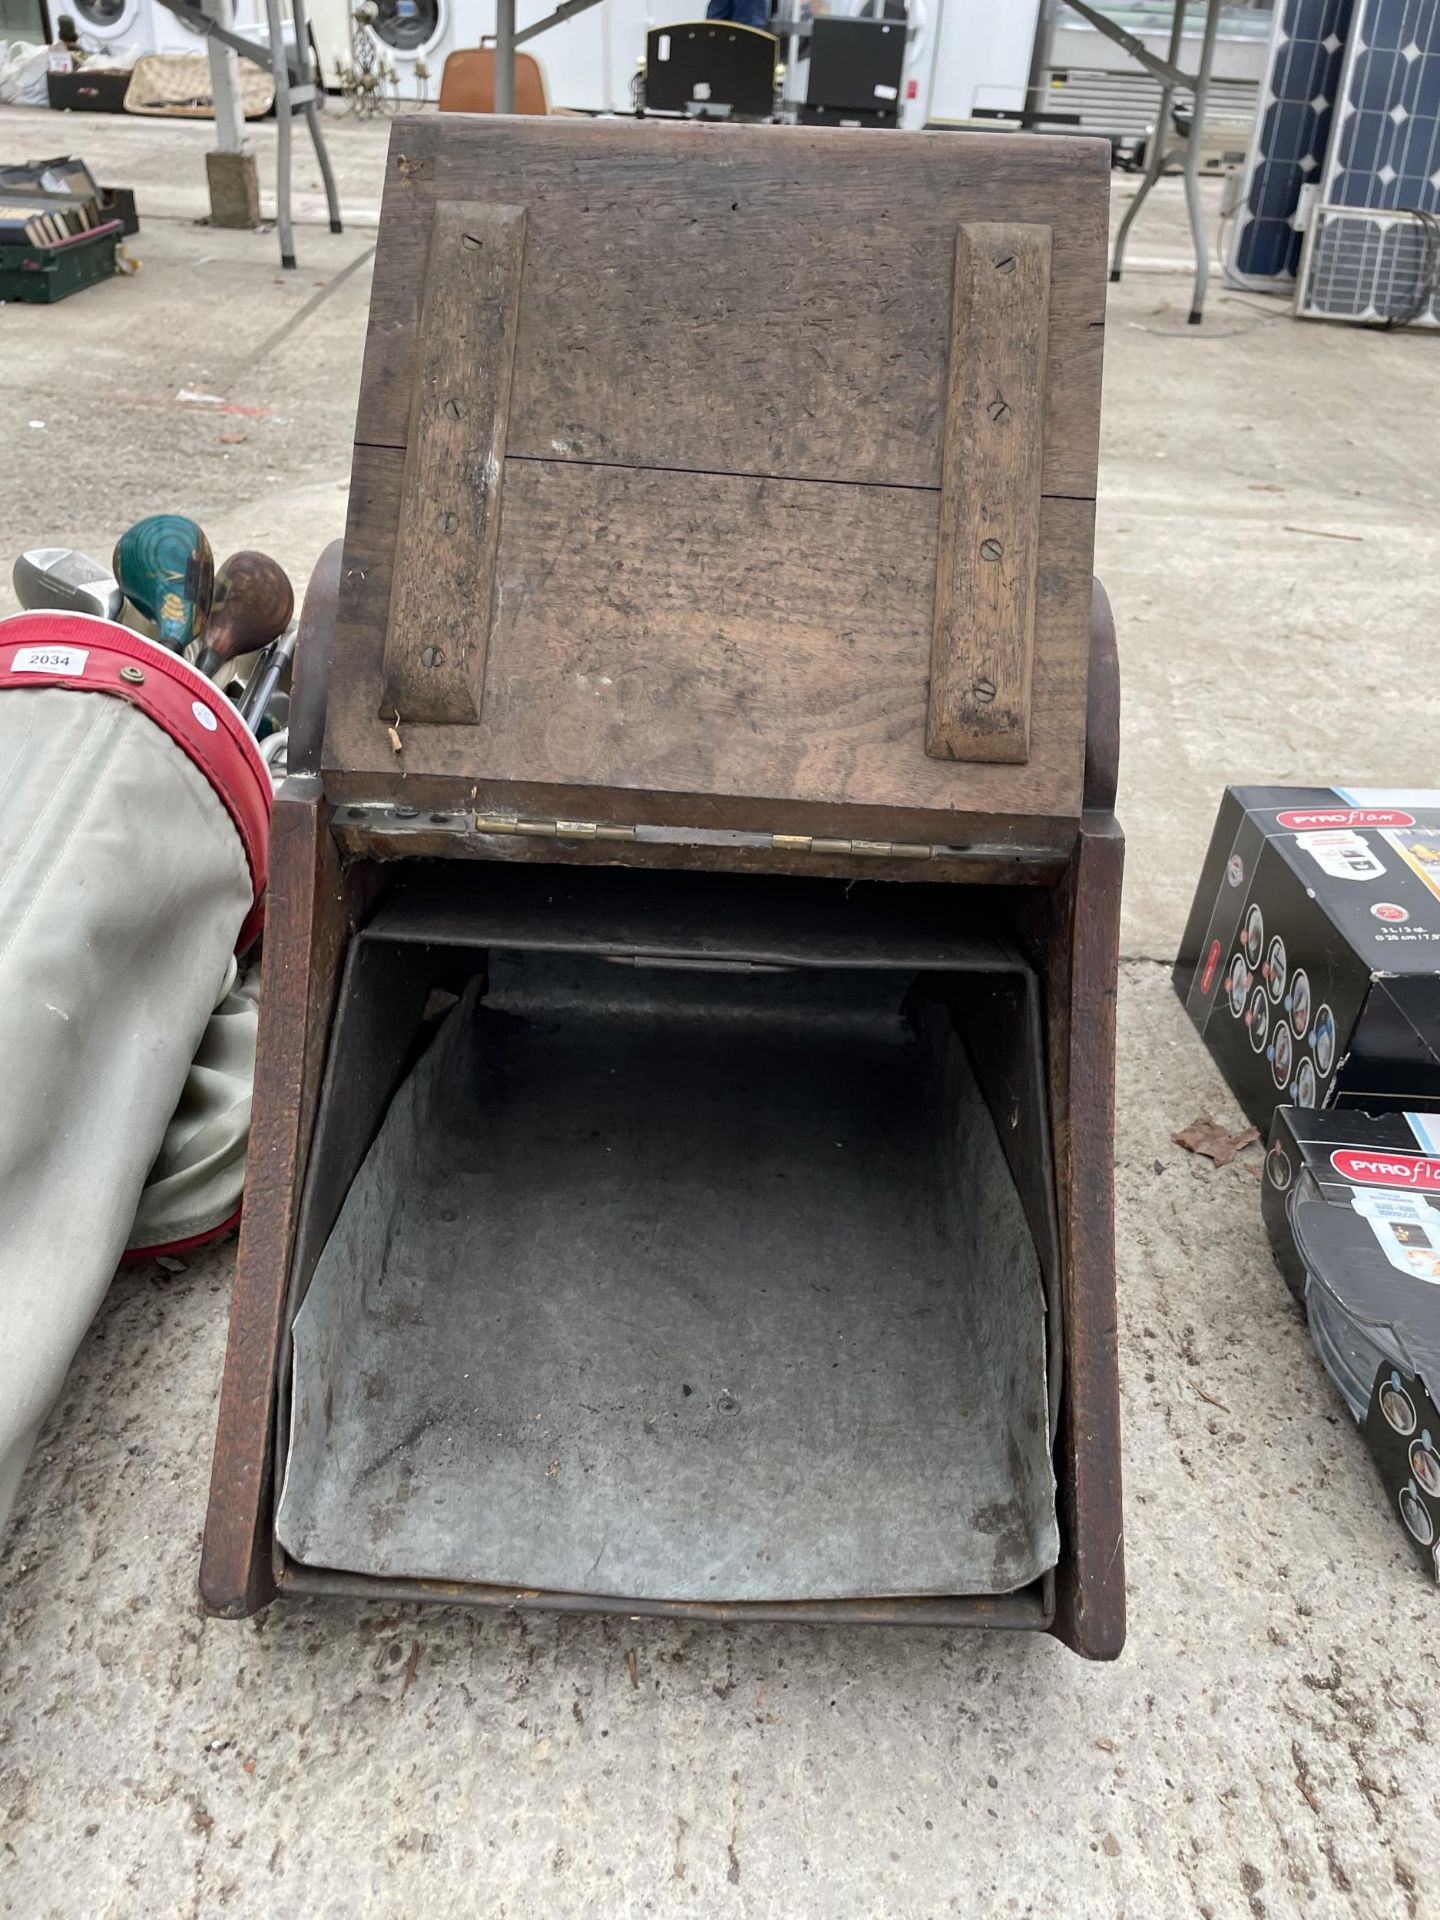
<point>1292,130</point>
<point>1384,160</point>
<point>1372,267</point>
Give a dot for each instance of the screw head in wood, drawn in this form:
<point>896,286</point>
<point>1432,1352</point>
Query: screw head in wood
<point>1006,263</point>
<point>998,410</point>
<point>990,550</point>
<point>984,691</point>
<point>432,657</point>
<point>446,521</point>
<point>454,409</point>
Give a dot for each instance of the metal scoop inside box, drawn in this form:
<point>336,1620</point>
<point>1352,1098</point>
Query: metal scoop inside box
<point>687,1268</point>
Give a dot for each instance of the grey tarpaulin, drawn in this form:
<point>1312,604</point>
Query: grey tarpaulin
<point>123,886</point>
<point>198,1177</point>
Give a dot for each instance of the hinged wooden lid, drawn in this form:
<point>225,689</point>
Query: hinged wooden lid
<point>727,478</point>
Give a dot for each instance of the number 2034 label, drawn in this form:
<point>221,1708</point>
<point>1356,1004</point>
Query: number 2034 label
<point>49,660</point>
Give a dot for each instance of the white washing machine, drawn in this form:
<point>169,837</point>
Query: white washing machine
<point>412,33</point>
<point>110,23</point>
<point>143,23</point>
<point>170,34</point>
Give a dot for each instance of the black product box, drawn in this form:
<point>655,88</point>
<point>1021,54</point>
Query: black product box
<point>88,90</point>
<point>857,68</point>
<point>1352,1206</point>
<point>711,67</point>
<point>1311,961</point>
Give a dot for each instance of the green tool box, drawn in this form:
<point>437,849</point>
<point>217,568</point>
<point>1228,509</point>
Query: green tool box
<point>43,275</point>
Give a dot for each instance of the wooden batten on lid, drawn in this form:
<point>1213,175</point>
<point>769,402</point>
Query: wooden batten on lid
<point>982,658</point>
<point>442,598</point>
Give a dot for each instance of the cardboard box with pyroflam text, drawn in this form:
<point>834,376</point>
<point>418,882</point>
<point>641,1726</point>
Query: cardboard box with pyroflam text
<point>1352,1206</point>
<point>1311,960</point>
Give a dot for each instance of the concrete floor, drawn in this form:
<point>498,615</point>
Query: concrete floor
<point>1266,1745</point>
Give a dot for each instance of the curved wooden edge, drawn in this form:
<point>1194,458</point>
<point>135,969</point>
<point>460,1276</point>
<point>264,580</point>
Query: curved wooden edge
<point>1079,938</point>
<point>310,673</point>
<point>1102,706</point>
<point>312,908</point>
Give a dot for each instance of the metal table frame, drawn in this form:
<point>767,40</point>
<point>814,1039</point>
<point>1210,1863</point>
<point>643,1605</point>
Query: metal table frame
<point>295,92</point>
<point>507,40</point>
<point>1172,79</point>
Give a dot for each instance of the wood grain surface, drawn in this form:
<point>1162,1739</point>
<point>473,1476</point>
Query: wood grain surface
<point>983,637</point>
<point>715,582</point>
<point>310,670</point>
<point>1102,707</point>
<point>1076,932</point>
<point>443,590</point>
<point>744,651</point>
<point>311,909</point>
<point>771,300</point>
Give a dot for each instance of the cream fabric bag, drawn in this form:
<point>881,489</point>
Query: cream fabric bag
<point>123,886</point>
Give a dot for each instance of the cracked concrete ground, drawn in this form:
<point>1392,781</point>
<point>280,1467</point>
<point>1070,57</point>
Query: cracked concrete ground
<point>1267,1744</point>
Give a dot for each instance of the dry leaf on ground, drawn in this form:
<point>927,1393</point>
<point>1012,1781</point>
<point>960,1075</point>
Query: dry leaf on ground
<point>1217,1143</point>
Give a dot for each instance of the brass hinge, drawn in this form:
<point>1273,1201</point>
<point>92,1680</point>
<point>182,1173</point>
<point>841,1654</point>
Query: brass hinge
<point>550,829</point>
<point>398,821</point>
<point>871,849</point>
<point>704,837</point>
